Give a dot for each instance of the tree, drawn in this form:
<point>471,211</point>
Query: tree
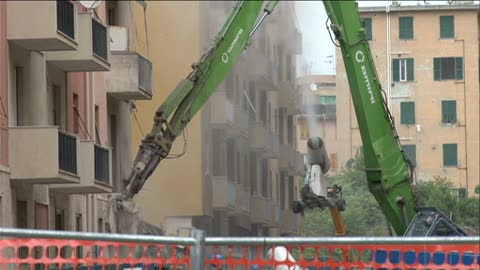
<point>363,216</point>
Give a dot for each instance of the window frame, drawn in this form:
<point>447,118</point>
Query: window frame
<point>453,26</point>
<point>407,119</point>
<point>444,148</point>
<point>400,37</point>
<point>446,104</point>
<point>459,69</point>
<point>368,27</point>
<point>405,65</point>
<point>407,148</point>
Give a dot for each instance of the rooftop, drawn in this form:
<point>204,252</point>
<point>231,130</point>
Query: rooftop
<point>454,7</point>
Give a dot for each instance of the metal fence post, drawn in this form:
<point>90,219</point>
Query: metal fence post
<point>198,250</point>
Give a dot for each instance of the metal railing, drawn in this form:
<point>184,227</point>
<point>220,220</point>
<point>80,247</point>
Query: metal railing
<point>67,152</point>
<point>197,252</point>
<point>99,40</point>
<point>65,18</point>
<point>102,164</point>
<point>144,74</point>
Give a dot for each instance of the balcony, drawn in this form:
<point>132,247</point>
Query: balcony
<point>224,193</point>
<point>43,25</point>
<point>320,111</point>
<point>130,75</point>
<point>94,171</point>
<point>93,53</point>
<point>245,201</point>
<point>287,157</point>
<point>221,110</point>
<point>257,212</point>
<point>240,126</point>
<point>258,137</point>
<point>43,155</point>
<point>274,147</point>
<point>268,211</point>
<point>277,215</point>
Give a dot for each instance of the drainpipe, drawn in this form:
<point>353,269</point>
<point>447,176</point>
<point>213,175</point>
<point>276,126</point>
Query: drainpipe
<point>389,58</point>
<point>464,109</point>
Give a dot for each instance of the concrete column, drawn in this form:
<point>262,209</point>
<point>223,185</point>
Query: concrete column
<point>35,92</point>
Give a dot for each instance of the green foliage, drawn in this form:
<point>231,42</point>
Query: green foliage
<point>440,193</point>
<point>363,216</point>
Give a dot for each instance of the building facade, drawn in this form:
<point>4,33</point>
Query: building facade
<point>61,158</point>
<point>427,61</point>
<point>317,96</point>
<point>241,170</point>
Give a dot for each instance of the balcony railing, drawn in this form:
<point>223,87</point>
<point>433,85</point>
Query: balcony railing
<point>99,39</point>
<point>67,152</point>
<point>245,203</point>
<point>232,193</point>
<point>65,18</point>
<point>268,210</point>
<point>102,165</point>
<point>144,74</point>
<point>277,214</point>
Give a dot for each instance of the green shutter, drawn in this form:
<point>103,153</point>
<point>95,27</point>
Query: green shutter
<point>449,111</point>
<point>407,113</point>
<point>437,69</point>
<point>405,27</point>
<point>447,27</point>
<point>459,68</point>
<point>410,151</point>
<point>450,154</point>
<point>396,70</point>
<point>367,24</point>
<point>410,69</point>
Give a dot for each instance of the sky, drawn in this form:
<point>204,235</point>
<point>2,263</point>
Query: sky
<point>318,52</point>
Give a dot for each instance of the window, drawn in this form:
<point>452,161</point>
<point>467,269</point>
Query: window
<point>367,24</point>
<point>289,68</point>
<point>327,100</point>
<point>402,69</point>
<point>282,190</point>
<point>405,27</point>
<point>100,225</point>
<point>411,152</point>
<point>449,111</point>
<point>263,107</point>
<point>281,130</point>
<point>97,125</point>
<point>450,154</point>
<point>231,160</point>
<point>447,27</point>
<point>264,177</point>
<point>229,86</point>
<point>253,99</point>
<point>22,215</point>
<point>448,68</point>
<point>290,129</point>
<point>59,220</point>
<point>291,191</point>
<point>76,124</point>
<point>253,173</point>
<point>407,113</point>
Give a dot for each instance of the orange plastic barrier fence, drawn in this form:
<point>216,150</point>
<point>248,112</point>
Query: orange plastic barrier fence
<point>68,254</point>
<point>330,257</point>
<point>60,254</point>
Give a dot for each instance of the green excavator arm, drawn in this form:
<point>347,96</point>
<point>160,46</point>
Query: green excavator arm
<point>388,170</point>
<point>193,92</point>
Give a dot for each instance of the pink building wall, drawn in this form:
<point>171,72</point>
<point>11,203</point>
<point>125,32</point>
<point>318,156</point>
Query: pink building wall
<point>91,91</point>
<point>3,85</point>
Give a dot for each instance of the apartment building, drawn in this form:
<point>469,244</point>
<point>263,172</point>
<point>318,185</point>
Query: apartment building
<point>241,169</point>
<point>427,61</point>
<point>317,98</point>
<point>68,122</point>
